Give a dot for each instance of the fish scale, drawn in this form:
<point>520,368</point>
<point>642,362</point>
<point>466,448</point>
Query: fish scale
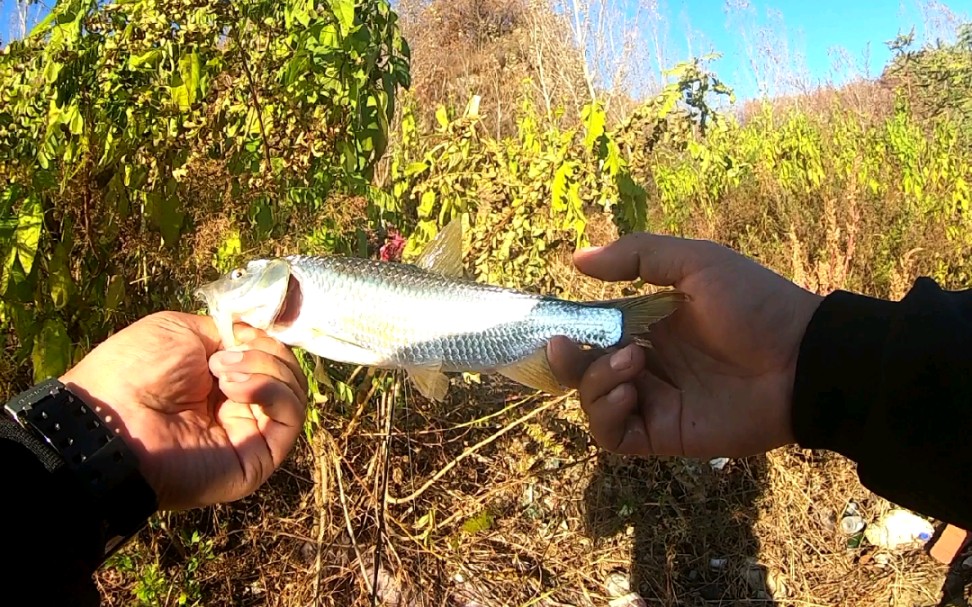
<point>391,308</point>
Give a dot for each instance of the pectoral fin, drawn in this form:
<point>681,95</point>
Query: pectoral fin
<point>534,372</point>
<point>444,254</point>
<point>430,381</point>
<point>339,350</point>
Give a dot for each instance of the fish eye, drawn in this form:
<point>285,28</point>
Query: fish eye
<point>237,274</point>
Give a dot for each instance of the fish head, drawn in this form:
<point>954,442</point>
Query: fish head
<point>253,294</point>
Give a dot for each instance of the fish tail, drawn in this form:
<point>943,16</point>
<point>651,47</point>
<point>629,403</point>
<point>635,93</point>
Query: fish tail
<point>639,313</point>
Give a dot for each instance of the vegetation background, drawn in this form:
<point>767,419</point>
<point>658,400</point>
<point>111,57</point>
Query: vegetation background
<point>146,145</point>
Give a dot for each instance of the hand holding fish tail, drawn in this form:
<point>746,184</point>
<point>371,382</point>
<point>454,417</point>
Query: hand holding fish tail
<point>730,354</point>
<point>208,425</point>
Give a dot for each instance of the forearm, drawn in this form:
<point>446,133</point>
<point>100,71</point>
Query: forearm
<point>889,385</point>
<point>50,529</point>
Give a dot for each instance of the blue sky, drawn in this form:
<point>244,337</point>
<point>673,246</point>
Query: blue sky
<point>802,33</point>
<point>808,33</point>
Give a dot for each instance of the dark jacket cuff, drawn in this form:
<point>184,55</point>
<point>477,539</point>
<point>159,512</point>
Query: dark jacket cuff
<point>889,385</point>
<point>838,371</point>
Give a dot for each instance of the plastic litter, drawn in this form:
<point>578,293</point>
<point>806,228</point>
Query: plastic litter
<point>632,599</point>
<point>899,528</point>
<point>851,524</point>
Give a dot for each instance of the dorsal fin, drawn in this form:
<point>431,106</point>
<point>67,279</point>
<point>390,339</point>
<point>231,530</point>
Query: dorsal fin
<point>444,254</point>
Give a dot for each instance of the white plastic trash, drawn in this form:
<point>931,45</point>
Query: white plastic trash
<point>851,524</point>
<point>899,528</point>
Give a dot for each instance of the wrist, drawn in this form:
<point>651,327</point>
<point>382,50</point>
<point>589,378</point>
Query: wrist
<point>804,309</point>
<point>843,346</point>
<point>117,414</point>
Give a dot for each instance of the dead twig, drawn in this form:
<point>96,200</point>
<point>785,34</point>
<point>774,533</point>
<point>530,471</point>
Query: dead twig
<point>470,450</point>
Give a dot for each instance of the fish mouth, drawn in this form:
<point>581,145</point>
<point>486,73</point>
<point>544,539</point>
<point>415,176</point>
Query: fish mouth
<point>291,304</point>
<point>203,294</point>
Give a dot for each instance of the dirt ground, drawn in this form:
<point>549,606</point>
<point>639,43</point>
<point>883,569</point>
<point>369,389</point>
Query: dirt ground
<point>503,501</point>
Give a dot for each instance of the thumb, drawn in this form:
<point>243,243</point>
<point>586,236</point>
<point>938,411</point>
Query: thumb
<point>657,259</point>
<point>203,327</point>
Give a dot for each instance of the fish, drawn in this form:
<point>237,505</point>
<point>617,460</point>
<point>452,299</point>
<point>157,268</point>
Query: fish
<point>425,317</point>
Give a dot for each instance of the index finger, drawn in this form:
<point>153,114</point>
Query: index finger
<point>246,333</point>
<point>660,260</point>
<point>255,339</point>
<point>568,361</point>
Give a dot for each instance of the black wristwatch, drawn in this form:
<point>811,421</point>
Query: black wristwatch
<point>106,469</point>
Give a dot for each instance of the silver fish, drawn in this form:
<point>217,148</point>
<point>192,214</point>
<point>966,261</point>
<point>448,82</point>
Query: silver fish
<point>424,318</point>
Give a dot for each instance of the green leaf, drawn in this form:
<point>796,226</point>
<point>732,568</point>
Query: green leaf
<point>51,354</point>
<point>170,219</point>
<point>190,71</point>
<point>299,11</point>
<point>344,392</point>
<point>558,189</point>
<point>441,116</point>
<point>594,119</point>
<point>414,168</point>
<point>344,11</point>
<point>228,251</point>
<point>116,293</point>
<point>59,276</point>
<point>481,522</point>
<point>427,204</point>
<point>180,97</point>
<point>165,210</point>
<point>261,214</point>
<point>613,163</point>
<point>117,195</point>
<point>8,269</point>
<point>29,226</point>
<point>147,59</point>
<point>43,180</point>
<point>72,117</point>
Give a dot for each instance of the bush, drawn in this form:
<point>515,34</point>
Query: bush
<point>132,131</point>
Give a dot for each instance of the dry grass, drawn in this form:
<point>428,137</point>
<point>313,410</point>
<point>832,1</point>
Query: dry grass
<point>495,498</point>
<point>490,48</point>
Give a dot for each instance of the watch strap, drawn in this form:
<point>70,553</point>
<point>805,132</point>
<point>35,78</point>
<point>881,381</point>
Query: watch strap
<point>99,460</point>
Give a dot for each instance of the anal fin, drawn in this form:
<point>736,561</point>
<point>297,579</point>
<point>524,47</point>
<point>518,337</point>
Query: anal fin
<point>430,381</point>
<point>534,372</point>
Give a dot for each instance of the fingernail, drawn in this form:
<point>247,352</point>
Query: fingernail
<point>615,396</point>
<point>621,359</point>
<point>229,357</point>
<point>236,378</point>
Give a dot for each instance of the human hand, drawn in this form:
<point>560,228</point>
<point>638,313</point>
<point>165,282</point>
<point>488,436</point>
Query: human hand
<point>199,440</point>
<point>730,351</point>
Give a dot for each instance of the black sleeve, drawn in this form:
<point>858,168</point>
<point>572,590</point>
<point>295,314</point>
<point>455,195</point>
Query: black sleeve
<point>889,385</point>
<point>51,536</point>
